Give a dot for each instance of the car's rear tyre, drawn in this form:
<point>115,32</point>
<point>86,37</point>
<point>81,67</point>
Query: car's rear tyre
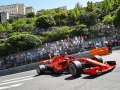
<point>97,58</point>
<point>40,69</point>
<point>75,68</point>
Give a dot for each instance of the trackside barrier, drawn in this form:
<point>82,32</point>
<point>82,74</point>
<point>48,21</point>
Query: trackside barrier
<point>106,50</point>
<point>99,51</point>
<point>33,66</point>
<point>19,69</point>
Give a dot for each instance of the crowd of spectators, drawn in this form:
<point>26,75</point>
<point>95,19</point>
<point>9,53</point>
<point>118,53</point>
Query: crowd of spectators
<point>69,45</point>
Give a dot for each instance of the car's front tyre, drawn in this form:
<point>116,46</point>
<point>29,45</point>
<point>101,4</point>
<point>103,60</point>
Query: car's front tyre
<point>75,68</point>
<point>40,69</point>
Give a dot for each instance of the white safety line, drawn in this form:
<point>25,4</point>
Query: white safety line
<point>17,81</point>
<point>10,86</point>
<point>17,78</point>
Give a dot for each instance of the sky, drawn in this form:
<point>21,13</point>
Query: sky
<point>48,4</point>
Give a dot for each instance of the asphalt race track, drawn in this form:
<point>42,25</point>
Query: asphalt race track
<point>30,81</point>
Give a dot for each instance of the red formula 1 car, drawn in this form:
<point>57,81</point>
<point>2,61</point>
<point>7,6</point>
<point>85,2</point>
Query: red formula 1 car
<point>76,66</point>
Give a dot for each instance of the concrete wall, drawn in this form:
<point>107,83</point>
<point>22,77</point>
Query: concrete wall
<point>19,69</point>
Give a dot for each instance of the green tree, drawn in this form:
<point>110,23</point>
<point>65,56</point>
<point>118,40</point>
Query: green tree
<point>30,15</point>
<point>60,33</point>
<point>80,30</point>
<point>46,12</point>
<point>116,19</point>
<point>90,7</point>
<point>60,18</point>
<point>76,11</point>
<point>31,20</point>
<point>2,28</point>
<point>8,28</point>
<point>23,41</point>
<point>7,25</point>
<point>106,5</point>
<point>45,21</point>
<point>88,19</point>
<point>115,4</point>
<point>28,27</point>
<point>11,20</point>
<point>18,24</point>
<point>108,19</point>
<point>71,17</point>
<point>79,7</point>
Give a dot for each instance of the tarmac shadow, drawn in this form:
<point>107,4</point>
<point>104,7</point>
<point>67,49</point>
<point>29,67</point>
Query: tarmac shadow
<point>71,78</point>
<point>92,76</point>
<point>54,74</point>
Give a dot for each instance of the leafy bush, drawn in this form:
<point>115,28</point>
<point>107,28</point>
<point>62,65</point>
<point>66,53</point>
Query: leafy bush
<point>59,34</point>
<point>24,41</point>
<point>80,30</point>
<point>45,21</point>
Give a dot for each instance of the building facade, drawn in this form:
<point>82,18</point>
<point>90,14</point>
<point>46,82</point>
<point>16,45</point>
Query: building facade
<point>63,8</point>
<point>16,9</point>
<point>3,17</point>
<point>21,9</point>
<point>40,11</point>
<point>29,9</point>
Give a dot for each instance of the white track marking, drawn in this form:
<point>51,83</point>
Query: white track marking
<point>16,85</point>
<point>17,78</point>
<point>10,86</point>
<point>16,81</point>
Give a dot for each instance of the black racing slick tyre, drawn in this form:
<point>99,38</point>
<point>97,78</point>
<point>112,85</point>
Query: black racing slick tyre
<point>97,58</point>
<point>40,69</point>
<point>75,68</point>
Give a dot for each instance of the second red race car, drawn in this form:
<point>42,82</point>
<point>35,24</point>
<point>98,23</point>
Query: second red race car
<point>75,66</point>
